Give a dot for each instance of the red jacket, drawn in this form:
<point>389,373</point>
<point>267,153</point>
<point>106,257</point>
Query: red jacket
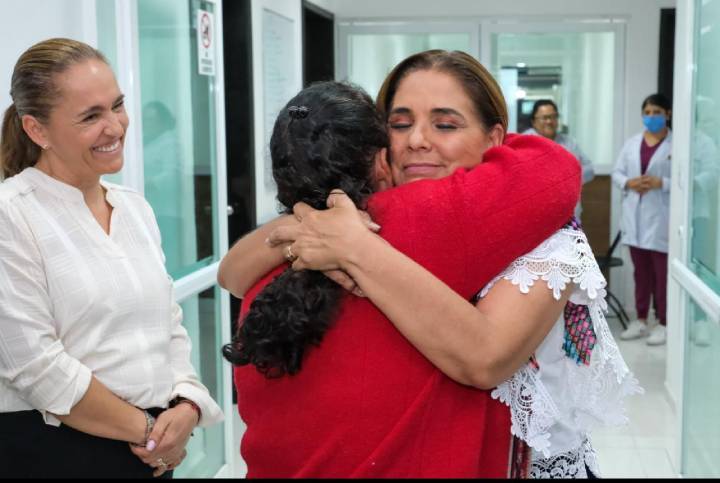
<point>367,403</point>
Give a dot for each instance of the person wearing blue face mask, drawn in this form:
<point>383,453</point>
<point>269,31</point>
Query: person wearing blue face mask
<point>642,172</point>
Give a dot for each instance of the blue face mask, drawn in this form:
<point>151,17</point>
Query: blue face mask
<point>655,123</point>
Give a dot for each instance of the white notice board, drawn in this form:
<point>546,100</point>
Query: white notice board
<point>279,82</point>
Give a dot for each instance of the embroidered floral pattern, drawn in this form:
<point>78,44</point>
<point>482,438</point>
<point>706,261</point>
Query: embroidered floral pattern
<point>579,333</point>
<point>573,224</point>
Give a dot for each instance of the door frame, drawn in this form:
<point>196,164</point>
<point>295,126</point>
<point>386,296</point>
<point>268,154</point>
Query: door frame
<point>616,24</point>
<point>683,284</point>
<point>132,175</point>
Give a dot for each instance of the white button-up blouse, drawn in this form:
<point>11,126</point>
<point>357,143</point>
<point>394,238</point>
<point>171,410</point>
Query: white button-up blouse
<point>76,302</point>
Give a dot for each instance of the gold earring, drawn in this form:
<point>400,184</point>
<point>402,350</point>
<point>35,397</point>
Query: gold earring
<point>46,147</point>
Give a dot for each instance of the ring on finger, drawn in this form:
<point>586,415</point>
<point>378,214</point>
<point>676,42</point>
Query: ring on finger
<point>289,255</point>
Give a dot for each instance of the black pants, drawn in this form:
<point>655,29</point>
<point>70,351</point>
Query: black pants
<point>29,448</point>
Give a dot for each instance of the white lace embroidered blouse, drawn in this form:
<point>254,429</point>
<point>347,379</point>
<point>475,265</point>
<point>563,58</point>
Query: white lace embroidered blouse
<point>76,302</point>
<point>577,379</point>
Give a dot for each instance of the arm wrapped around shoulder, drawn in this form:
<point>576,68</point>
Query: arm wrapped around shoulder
<point>468,227</point>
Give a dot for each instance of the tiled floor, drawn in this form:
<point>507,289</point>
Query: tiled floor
<point>642,448</point>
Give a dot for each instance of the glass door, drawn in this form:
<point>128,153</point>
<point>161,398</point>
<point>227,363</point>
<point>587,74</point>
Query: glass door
<point>577,65</point>
<point>169,63</point>
<point>699,275</point>
<point>367,51</point>
<point>179,131</point>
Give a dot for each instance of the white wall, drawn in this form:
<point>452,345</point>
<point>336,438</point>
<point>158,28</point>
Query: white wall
<point>30,21</point>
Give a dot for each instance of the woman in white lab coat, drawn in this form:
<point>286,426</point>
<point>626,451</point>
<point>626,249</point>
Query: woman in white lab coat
<point>642,171</point>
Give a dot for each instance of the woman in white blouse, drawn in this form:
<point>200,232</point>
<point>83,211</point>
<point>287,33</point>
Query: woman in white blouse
<point>93,354</point>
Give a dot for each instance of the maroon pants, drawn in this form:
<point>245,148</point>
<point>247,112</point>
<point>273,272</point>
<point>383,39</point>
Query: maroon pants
<point>650,279</point>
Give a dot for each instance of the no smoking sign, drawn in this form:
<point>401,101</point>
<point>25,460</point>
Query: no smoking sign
<point>206,47</point>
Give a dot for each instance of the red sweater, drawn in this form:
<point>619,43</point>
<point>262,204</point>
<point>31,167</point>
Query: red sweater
<point>367,403</point>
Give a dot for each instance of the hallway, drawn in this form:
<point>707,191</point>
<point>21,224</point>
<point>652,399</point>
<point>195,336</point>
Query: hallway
<point>642,448</point>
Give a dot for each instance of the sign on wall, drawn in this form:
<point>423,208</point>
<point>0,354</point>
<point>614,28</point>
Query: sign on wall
<point>206,42</point>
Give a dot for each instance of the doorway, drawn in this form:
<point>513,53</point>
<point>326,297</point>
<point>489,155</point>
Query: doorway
<point>318,44</point>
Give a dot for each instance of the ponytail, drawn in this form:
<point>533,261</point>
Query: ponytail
<point>17,151</point>
<point>34,92</point>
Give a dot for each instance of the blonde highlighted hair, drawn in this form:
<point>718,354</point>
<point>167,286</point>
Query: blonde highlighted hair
<point>34,92</point>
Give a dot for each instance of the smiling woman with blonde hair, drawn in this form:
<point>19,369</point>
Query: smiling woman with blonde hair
<point>93,354</point>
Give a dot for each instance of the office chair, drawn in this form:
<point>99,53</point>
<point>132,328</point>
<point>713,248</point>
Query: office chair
<point>606,262</point>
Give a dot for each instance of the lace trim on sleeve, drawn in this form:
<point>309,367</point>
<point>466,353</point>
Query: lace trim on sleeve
<point>532,409</point>
<point>563,258</point>
<point>596,386</point>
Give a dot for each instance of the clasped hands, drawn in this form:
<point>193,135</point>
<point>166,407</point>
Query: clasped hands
<point>644,183</point>
<point>165,449</point>
<point>326,240</point>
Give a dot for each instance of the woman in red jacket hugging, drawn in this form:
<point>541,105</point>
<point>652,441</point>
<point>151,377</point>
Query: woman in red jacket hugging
<point>396,395</point>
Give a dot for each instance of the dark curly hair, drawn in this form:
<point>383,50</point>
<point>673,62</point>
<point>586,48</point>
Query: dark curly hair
<point>325,138</point>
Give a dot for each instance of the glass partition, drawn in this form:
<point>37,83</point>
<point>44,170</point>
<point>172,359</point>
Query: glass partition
<point>179,139</point>
<point>701,392</point>
<point>206,448</point>
<point>107,30</point>
<point>574,69</point>
<point>701,419</point>
<point>178,116</point>
<point>107,44</point>
<point>705,166</point>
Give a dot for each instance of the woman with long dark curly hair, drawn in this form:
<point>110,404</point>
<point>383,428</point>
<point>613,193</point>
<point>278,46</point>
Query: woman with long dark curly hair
<point>402,394</point>
<point>366,402</point>
<point>316,147</point>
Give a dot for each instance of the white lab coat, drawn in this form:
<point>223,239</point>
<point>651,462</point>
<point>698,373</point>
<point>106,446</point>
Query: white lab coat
<point>645,219</point>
